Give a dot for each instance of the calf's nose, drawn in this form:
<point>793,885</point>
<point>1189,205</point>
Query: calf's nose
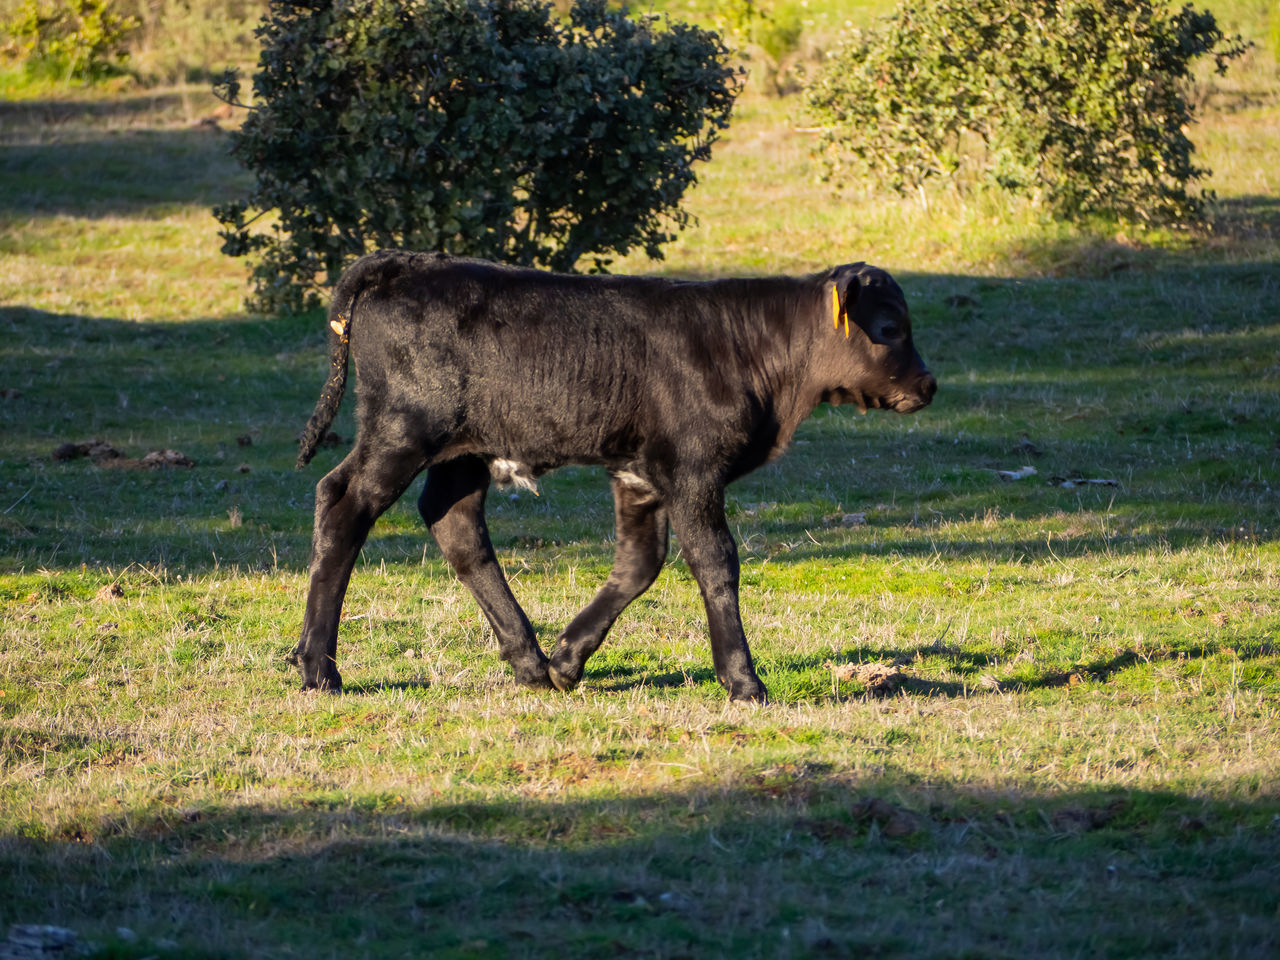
<point>928,386</point>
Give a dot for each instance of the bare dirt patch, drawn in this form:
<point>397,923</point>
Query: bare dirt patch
<point>878,679</point>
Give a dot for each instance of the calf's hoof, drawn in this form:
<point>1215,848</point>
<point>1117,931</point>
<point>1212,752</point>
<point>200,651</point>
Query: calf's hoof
<point>563,682</point>
<point>541,682</point>
<point>317,676</point>
<point>565,673</point>
<point>326,681</point>
<point>747,692</point>
<point>533,675</point>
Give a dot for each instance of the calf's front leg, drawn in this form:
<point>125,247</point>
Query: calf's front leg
<point>712,555</point>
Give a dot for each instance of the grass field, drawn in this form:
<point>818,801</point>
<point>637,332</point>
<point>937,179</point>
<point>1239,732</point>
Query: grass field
<point>1081,757</point>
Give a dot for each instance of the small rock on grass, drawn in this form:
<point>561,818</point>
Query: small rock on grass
<point>165,458</point>
<point>29,941</point>
<point>1020,474</point>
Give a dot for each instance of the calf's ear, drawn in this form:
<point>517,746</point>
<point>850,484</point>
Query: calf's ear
<point>845,284</point>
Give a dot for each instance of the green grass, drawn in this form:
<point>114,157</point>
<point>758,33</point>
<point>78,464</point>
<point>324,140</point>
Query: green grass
<point>1082,758</point>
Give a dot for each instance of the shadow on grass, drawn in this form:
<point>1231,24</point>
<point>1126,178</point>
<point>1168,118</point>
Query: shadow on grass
<point>129,172</point>
<point>1243,227</point>
<point>972,665</point>
<point>620,678</point>
<point>794,859</point>
<point>38,116</point>
<point>605,674</point>
<point>1247,218</point>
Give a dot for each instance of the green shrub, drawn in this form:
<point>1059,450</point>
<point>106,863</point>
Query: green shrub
<point>779,33</point>
<point>766,37</point>
<point>487,128</point>
<point>1079,104</point>
<point>70,40</point>
<point>775,29</point>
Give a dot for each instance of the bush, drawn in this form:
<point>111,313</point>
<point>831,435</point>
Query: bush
<point>487,128</point>
<point>1079,104</point>
<point>70,40</point>
<point>767,37</point>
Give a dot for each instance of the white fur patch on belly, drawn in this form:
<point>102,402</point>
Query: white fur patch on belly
<point>506,473</point>
<point>629,479</point>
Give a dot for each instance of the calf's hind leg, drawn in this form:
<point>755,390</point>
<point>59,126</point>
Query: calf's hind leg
<point>348,501</point>
<point>641,522</point>
<point>452,504</point>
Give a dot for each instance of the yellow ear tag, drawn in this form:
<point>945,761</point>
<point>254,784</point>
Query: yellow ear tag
<point>835,312</point>
<point>338,327</point>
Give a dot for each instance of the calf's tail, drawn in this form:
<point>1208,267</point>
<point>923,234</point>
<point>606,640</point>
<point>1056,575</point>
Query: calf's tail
<point>341,310</point>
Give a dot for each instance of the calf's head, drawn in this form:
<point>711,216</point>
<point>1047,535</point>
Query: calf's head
<point>871,360</point>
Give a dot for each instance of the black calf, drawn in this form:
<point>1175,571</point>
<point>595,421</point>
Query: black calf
<point>479,372</point>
